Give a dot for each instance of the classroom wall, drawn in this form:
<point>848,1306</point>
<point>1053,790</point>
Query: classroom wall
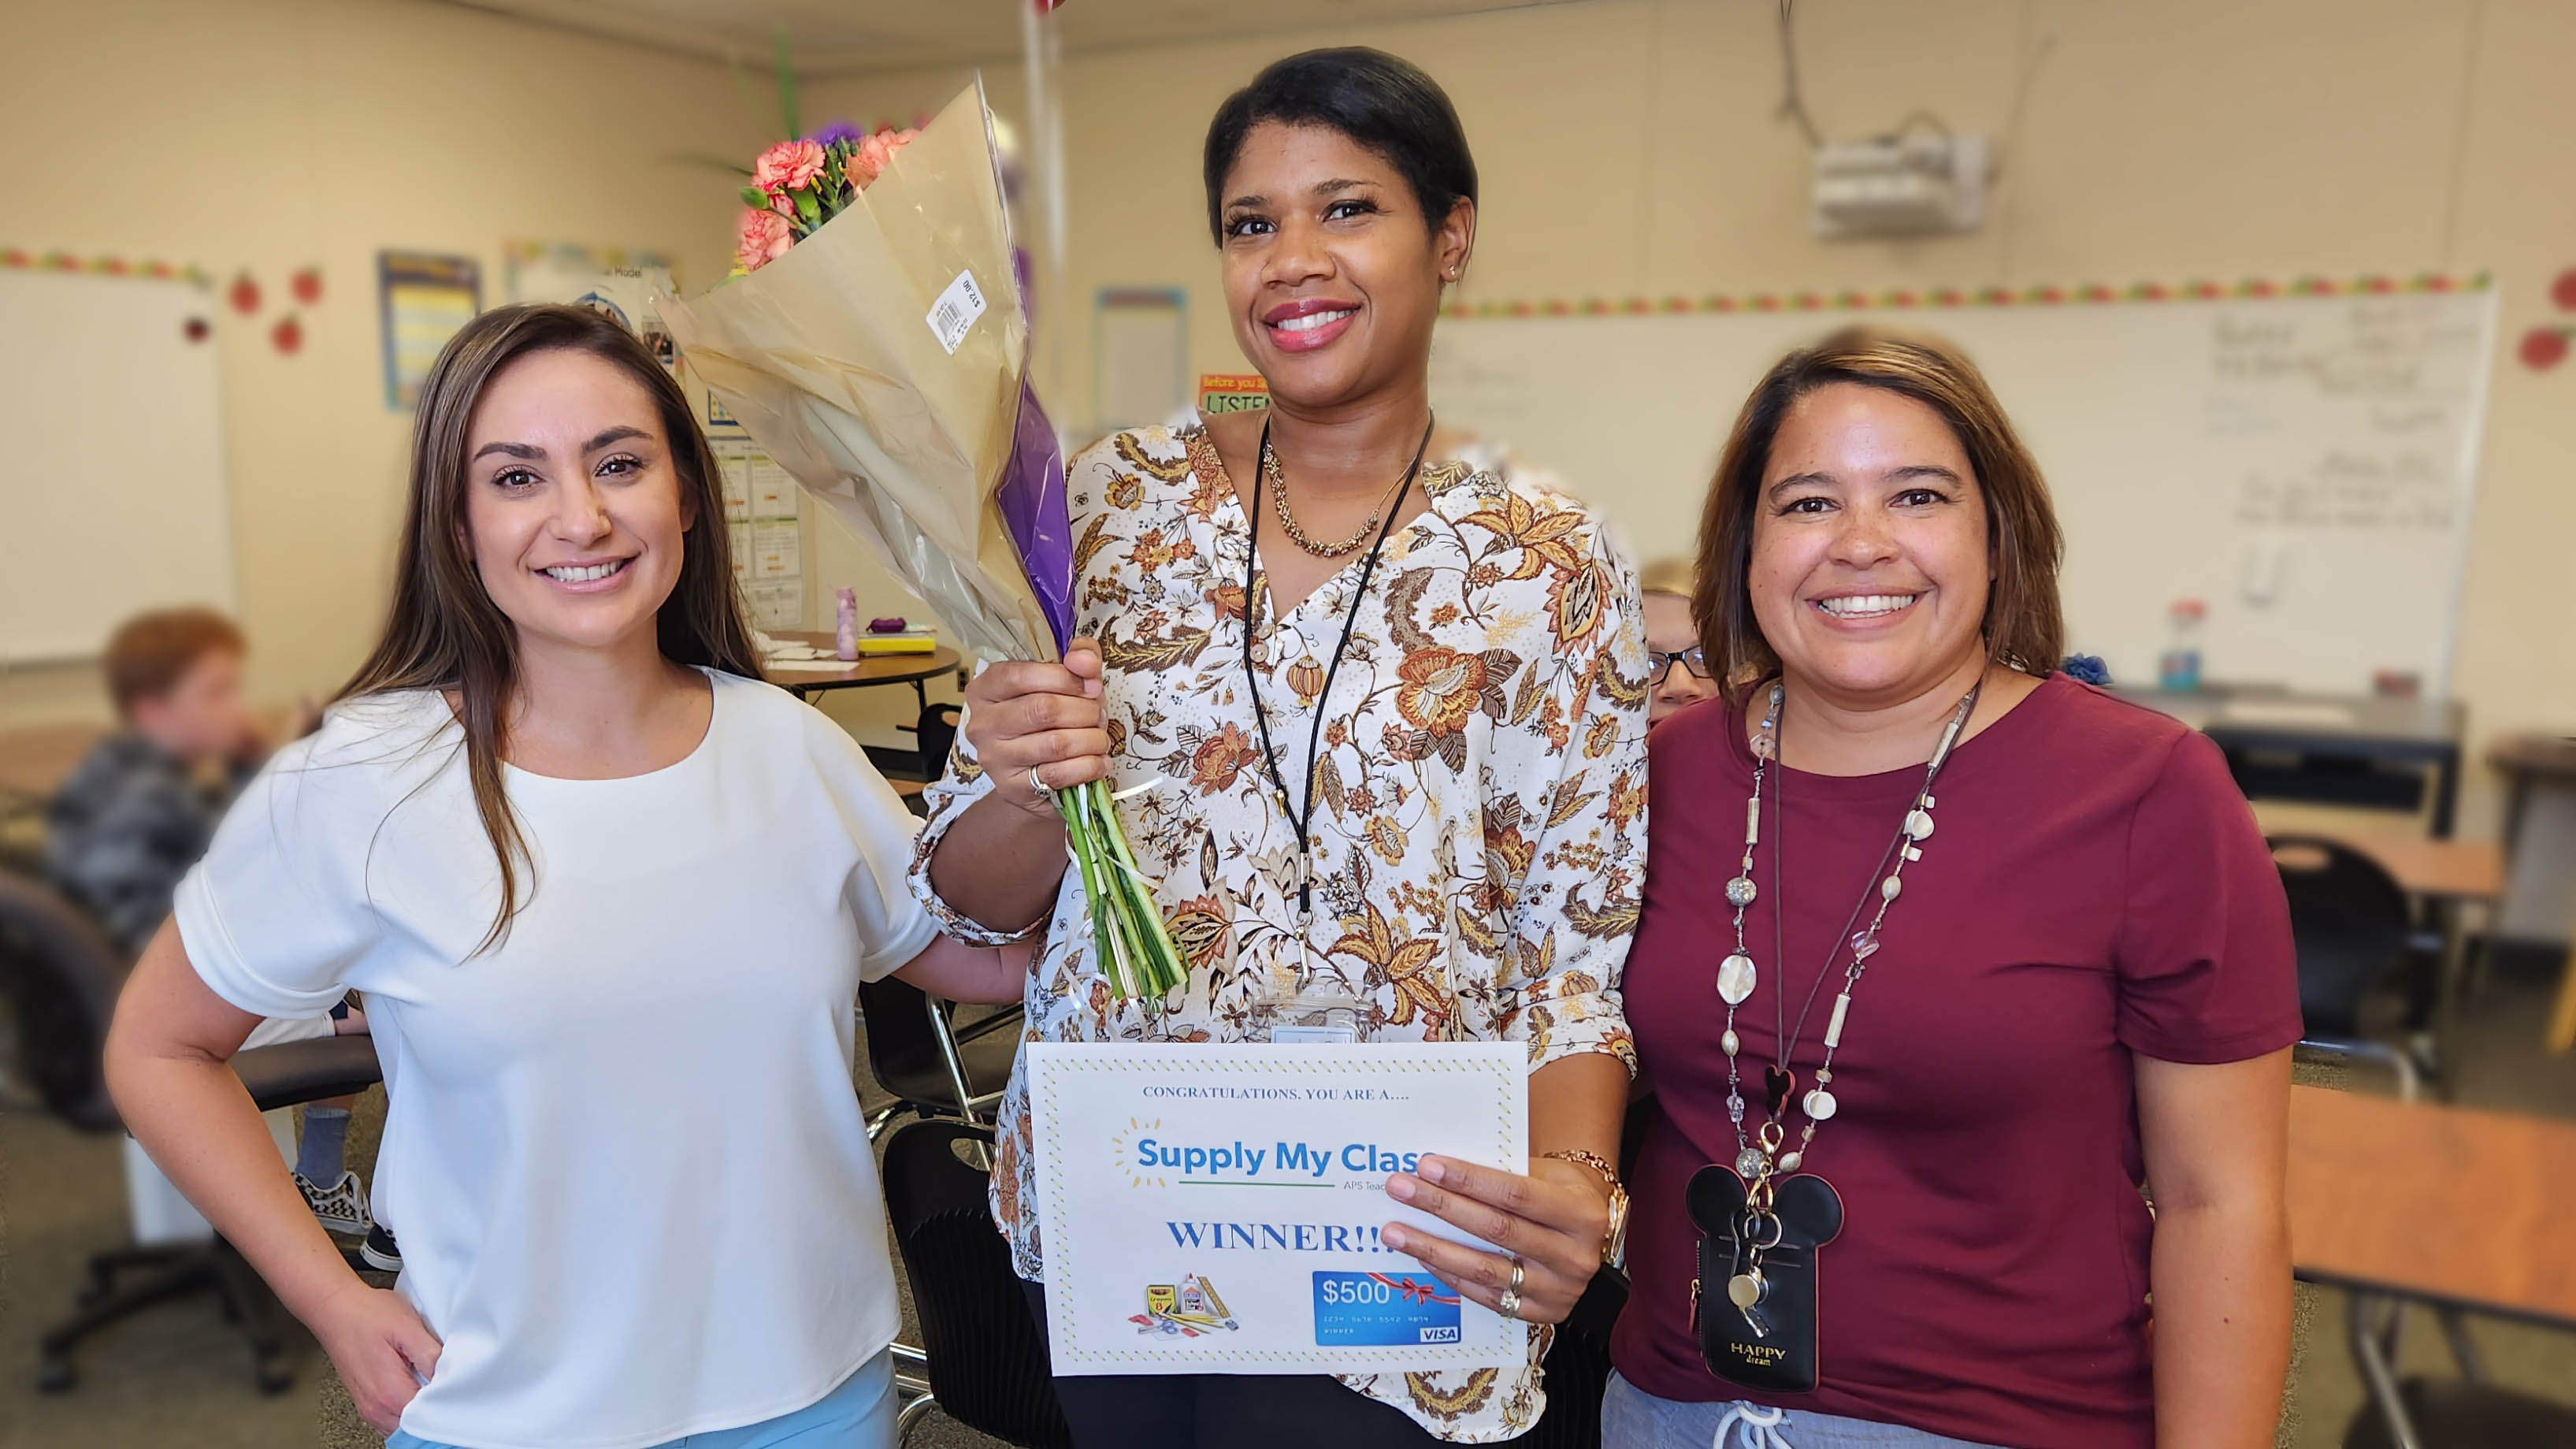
<point>276,134</point>
<point>1630,147</point>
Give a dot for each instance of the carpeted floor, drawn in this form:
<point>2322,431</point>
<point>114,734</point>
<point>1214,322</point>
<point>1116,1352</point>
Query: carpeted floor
<point>178,1376</point>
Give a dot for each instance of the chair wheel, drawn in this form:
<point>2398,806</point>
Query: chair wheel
<point>54,1374</point>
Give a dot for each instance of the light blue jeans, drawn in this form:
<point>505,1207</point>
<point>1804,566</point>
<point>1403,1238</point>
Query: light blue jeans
<point>1631,1418</point>
<point>858,1415</point>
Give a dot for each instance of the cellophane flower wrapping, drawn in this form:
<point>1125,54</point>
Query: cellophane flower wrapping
<point>882,361</point>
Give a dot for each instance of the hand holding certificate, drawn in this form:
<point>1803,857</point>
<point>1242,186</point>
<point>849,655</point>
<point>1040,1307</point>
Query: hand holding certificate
<point>1221,1208</point>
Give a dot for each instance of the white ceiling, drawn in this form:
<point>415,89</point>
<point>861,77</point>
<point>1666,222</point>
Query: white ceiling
<point>849,37</point>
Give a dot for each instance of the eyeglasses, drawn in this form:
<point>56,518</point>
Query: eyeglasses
<point>1659,663</point>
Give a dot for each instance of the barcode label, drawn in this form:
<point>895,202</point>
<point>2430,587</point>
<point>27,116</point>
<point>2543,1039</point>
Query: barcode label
<point>956,311</point>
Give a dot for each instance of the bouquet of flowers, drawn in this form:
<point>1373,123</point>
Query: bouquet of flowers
<point>876,344</point>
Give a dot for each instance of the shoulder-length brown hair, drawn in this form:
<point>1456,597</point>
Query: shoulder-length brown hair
<point>445,633</point>
<point>2024,626</point>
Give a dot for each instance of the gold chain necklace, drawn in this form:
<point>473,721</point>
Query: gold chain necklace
<point>1288,521</point>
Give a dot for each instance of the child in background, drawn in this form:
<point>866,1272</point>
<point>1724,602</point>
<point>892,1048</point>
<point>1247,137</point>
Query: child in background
<point>139,810</point>
<point>1675,669</point>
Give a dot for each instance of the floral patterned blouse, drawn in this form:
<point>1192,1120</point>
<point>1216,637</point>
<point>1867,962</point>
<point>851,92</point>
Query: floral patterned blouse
<point>1479,831</point>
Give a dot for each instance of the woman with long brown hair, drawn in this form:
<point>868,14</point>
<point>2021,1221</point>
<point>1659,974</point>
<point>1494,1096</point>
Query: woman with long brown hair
<point>1947,964</point>
<point>610,898</point>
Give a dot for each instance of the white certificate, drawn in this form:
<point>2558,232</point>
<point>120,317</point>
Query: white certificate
<point>1216,1209</point>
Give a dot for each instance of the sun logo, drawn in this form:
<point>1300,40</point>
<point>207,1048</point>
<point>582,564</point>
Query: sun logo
<point>1125,1144</point>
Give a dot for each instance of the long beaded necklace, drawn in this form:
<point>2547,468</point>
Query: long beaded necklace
<point>1759,1159</point>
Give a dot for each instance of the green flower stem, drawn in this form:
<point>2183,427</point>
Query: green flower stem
<point>1133,947</point>
<point>1077,834</point>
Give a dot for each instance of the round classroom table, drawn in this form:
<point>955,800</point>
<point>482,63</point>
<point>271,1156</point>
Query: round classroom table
<point>912,669</point>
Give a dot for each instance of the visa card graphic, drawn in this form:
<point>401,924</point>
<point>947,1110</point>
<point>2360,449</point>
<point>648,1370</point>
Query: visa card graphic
<point>1372,1310</point>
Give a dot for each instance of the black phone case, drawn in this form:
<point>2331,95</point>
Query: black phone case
<point>1783,1360</point>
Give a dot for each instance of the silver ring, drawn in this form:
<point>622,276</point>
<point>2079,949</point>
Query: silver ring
<point>1037,786</point>
<point>1517,1278</point>
<point>1510,1306</point>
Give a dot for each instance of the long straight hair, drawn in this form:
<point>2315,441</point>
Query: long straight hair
<point>444,632</point>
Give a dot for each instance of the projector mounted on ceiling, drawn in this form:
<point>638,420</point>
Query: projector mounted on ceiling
<point>1907,185</point>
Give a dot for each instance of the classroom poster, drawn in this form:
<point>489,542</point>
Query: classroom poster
<point>423,300</point>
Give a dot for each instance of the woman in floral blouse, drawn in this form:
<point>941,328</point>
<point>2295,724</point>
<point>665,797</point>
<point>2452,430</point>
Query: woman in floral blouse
<point>1460,645</point>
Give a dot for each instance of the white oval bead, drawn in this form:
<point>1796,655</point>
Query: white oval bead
<point>1890,888</point>
<point>1729,1041</point>
<point>1735,978</point>
<point>1819,1104</point>
<point>1789,1161</point>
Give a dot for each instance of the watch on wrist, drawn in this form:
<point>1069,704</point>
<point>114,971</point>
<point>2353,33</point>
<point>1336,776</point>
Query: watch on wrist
<point>1614,1238</point>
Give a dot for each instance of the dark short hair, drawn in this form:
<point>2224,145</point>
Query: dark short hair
<point>1385,104</point>
<point>2024,624</point>
<point>150,653</point>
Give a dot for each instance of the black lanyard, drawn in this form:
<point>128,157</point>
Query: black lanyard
<point>1299,819</point>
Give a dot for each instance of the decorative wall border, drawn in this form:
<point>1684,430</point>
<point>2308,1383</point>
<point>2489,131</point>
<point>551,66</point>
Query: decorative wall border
<point>19,259</point>
<point>1922,298</point>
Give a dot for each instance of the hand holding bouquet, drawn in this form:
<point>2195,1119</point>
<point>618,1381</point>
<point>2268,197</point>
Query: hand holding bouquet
<point>875,344</point>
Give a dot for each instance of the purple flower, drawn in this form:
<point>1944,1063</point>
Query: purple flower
<point>838,131</point>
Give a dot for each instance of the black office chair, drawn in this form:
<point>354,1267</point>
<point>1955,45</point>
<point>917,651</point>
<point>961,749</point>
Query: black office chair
<point>63,975</point>
<point>934,732</point>
<point>926,1060</point>
<point>985,1356</point>
<point>2350,922</point>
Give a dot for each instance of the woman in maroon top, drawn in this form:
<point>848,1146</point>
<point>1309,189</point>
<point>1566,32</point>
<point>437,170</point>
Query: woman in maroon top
<point>2002,1036</point>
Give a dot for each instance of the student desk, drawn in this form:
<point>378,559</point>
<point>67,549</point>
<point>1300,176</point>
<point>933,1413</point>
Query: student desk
<point>2385,754</point>
<point>35,759</point>
<point>2443,1205</point>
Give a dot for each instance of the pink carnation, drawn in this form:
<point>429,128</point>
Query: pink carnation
<point>765,238</point>
<point>874,155</point>
<point>787,166</point>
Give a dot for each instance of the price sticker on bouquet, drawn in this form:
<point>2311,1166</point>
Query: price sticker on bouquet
<point>955,311</point>
<point>1218,1208</point>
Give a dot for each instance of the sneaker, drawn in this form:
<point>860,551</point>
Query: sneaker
<point>341,1207</point>
<point>380,1251</point>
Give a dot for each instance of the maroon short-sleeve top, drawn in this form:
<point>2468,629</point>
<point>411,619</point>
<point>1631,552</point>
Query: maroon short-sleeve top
<point>2095,889</point>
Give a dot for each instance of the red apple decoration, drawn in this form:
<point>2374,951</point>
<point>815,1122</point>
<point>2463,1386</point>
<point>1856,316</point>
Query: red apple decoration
<point>2563,291</point>
<point>307,285</point>
<point>2543,348</point>
<point>288,335</point>
<point>244,294</point>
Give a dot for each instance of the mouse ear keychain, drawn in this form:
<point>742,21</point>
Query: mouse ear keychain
<point>1764,1223</point>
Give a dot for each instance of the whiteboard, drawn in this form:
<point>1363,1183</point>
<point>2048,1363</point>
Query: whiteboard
<point>112,496</point>
<point>2304,464</point>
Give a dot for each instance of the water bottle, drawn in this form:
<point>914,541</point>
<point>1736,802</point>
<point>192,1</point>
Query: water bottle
<point>2179,668</point>
<point>845,639</point>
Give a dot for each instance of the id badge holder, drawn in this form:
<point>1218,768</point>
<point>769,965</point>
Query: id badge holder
<point>1755,1304</point>
<point>1316,1018</point>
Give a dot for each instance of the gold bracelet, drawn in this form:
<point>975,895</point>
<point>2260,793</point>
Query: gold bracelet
<point>1614,1236</point>
<point>1593,1160</point>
